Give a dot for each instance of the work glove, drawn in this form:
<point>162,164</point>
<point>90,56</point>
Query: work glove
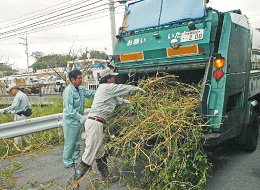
<point>127,102</point>
<point>141,90</point>
<point>83,120</point>
<point>2,111</point>
<point>86,111</point>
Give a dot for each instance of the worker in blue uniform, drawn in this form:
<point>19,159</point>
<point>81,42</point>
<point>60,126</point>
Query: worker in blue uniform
<point>73,117</point>
<point>19,104</point>
<point>20,108</point>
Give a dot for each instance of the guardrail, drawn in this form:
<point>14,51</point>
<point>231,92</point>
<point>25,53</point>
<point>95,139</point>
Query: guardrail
<point>37,90</point>
<point>50,89</point>
<point>24,127</point>
<point>34,100</point>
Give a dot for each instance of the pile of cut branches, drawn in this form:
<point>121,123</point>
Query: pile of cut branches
<point>162,134</point>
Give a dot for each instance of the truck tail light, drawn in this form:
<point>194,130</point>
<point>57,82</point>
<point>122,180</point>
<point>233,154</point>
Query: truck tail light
<point>219,63</point>
<point>218,74</point>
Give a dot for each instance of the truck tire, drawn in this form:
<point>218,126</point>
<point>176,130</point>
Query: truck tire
<point>252,133</point>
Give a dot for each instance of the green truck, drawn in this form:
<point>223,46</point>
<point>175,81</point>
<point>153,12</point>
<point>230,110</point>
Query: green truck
<point>196,43</point>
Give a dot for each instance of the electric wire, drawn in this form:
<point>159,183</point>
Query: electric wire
<point>51,23</point>
<point>20,21</point>
<point>53,18</point>
<point>54,25</point>
<point>49,26</point>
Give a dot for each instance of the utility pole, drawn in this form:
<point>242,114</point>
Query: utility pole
<point>26,52</point>
<point>113,23</point>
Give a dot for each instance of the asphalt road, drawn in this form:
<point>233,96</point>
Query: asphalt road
<point>234,169</point>
<point>46,171</point>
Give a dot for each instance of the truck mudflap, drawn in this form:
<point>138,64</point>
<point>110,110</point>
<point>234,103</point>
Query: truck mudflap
<point>211,139</point>
<point>246,135</point>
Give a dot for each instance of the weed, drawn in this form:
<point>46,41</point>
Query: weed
<point>32,184</point>
<point>40,141</point>
<point>6,176</point>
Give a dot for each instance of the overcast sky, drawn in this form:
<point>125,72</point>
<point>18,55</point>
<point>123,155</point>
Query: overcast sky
<point>91,34</point>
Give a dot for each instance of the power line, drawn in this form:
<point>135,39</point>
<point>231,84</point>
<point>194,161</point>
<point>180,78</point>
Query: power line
<point>54,25</point>
<point>19,18</point>
<point>61,20</point>
<point>29,2</point>
<point>51,25</point>
<point>20,21</point>
<point>55,18</point>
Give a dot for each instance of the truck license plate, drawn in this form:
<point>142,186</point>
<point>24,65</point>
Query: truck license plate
<point>192,35</point>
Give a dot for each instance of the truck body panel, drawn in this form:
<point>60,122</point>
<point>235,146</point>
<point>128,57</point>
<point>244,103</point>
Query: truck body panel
<point>190,47</point>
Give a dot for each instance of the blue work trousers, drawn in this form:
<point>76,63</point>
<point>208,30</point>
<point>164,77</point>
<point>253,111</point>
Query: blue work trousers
<point>72,138</point>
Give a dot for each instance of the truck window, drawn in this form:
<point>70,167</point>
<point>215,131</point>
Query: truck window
<point>152,13</point>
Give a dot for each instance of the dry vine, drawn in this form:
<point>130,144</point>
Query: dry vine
<point>162,134</point>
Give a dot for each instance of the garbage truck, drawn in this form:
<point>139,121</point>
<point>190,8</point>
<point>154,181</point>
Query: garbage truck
<point>200,45</point>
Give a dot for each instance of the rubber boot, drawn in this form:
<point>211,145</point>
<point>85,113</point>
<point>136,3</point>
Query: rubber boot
<point>103,168</point>
<point>80,170</point>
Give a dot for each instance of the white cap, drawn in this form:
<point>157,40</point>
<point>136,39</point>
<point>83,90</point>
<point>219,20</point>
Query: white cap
<point>107,71</point>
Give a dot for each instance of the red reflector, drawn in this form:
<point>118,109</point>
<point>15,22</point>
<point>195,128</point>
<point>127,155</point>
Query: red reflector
<point>118,59</point>
<point>218,74</point>
<point>201,48</point>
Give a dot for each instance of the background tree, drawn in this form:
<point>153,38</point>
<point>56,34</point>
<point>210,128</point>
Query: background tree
<point>50,61</point>
<point>37,55</point>
<point>6,69</point>
<point>94,54</point>
<point>43,61</point>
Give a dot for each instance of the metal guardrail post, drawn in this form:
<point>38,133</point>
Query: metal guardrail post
<point>40,90</point>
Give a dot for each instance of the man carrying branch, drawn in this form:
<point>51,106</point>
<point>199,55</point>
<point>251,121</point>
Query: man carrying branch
<point>105,101</point>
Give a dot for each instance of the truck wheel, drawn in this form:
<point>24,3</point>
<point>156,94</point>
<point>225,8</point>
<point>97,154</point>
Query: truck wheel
<point>252,133</point>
